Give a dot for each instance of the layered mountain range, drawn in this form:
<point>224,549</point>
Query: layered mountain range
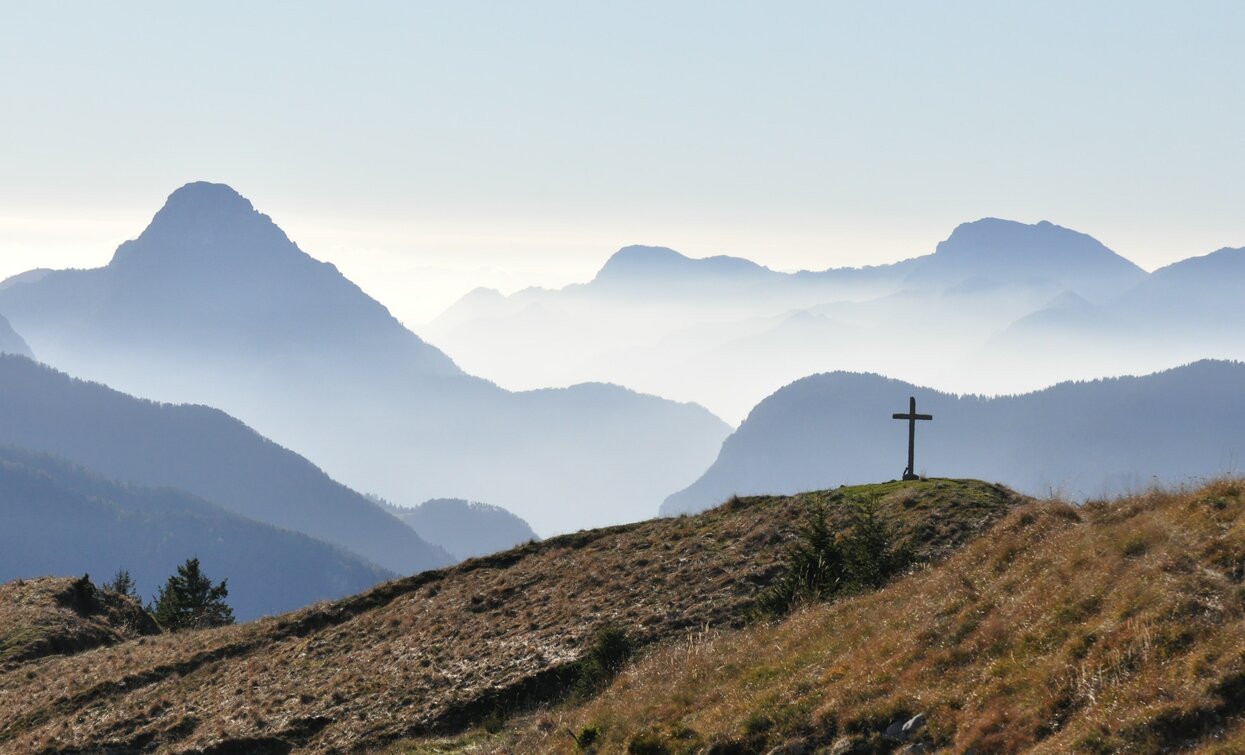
<point>203,452</point>
<point>213,304</point>
<point>727,332</point>
<point>59,518</point>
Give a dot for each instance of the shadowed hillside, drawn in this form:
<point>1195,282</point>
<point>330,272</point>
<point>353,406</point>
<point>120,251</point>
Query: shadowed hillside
<point>442,650</point>
<point>201,451</point>
<point>56,518</point>
<point>11,342</point>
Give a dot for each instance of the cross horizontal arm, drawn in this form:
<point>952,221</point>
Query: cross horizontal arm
<point>912,416</point>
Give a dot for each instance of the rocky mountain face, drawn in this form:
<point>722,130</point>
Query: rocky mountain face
<point>205,453</point>
<point>1076,439</point>
<point>214,304</point>
<point>58,518</point>
<point>445,650</point>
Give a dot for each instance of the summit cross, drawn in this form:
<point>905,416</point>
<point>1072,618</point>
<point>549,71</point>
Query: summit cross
<point>912,417</point>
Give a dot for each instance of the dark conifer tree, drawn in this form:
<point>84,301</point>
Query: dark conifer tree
<point>189,600</point>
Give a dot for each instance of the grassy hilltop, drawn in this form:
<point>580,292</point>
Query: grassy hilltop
<point>1116,627</point>
<point>448,652</point>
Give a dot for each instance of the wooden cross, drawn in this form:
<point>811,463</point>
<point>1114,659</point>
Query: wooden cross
<point>912,417</point>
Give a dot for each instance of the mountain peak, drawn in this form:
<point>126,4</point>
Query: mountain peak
<point>656,263</point>
<point>203,196</point>
<point>1010,250</point>
<point>206,221</point>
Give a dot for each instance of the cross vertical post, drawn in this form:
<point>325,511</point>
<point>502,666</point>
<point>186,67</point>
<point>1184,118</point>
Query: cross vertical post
<point>912,417</point>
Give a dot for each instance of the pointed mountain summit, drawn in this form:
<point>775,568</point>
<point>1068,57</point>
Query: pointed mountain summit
<point>212,276</point>
<point>1008,251</point>
<point>209,222</point>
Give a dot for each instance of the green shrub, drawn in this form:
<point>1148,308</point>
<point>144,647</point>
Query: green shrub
<point>587,737</point>
<point>821,563</point>
<point>609,652</point>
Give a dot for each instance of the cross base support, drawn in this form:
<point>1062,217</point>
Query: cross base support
<point>910,476</point>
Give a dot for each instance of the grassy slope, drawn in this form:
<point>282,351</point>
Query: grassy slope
<point>1117,627</point>
<point>441,650</point>
<point>48,616</point>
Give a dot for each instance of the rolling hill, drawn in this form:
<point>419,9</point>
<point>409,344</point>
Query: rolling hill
<point>1078,439</point>
<point>446,649</point>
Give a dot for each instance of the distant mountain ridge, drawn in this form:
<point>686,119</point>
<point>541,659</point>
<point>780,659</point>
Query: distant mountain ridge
<point>726,332</point>
<point>202,451</point>
<point>58,518</point>
<point>213,304</point>
<point>11,342</point>
<point>466,529</point>
<point>1075,439</point>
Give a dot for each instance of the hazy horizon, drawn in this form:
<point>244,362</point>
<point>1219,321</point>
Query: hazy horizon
<point>484,145</point>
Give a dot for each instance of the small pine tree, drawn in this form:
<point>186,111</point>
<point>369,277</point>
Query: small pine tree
<point>821,564</point>
<point>122,584</point>
<point>189,600</point>
<point>814,565</point>
<point>870,552</point>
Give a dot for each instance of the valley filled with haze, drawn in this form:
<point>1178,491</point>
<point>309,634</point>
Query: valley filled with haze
<point>660,379</point>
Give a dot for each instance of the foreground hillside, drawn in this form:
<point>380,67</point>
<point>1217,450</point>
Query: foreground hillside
<point>1117,627</point>
<point>441,651</point>
<point>62,616</point>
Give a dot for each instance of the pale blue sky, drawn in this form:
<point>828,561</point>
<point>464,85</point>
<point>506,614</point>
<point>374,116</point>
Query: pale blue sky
<point>426,148</point>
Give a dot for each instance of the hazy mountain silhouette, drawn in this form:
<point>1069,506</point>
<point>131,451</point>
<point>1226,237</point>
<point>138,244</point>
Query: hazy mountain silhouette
<point>1193,295</point>
<point>1077,438</point>
<point>213,304</point>
<point>202,451</point>
<point>649,270</point>
<point>725,331</point>
<point>1006,251</point>
<point>58,518</point>
<point>11,342</point>
<point>465,528</point>
<point>211,275</point>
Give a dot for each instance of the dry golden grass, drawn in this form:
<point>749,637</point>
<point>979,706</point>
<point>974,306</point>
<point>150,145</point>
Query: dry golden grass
<point>1117,627</point>
<point>441,651</point>
<point>49,616</point>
